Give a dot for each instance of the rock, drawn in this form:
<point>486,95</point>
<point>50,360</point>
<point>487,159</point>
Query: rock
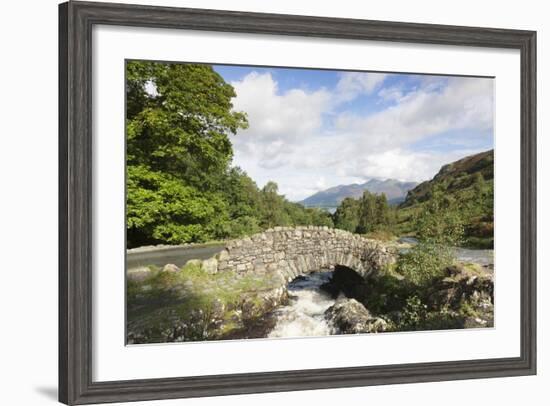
<point>255,306</point>
<point>210,266</point>
<point>351,317</point>
<point>223,255</point>
<point>377,325</point>
<point>138,274</point>
<point>476,322</point>
<point>193,262</point>
<point>467,290</point>
<point>273,257</point>
<point>463,283</point>
<point>170,268</point>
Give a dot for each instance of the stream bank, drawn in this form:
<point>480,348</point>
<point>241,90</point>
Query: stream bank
<point>193,303</point>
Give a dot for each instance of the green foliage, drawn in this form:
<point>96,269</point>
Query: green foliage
<point>191,300</point>
<point>439,227</point>
<point>316,217</point>
<point>369,213</point>
<point>381,235</point>
<point>161,208</point>
<point>463,190</point>
<point>440,223</point>
<point>417,316</point>
<point>183,128</point>
<point>240,226</point>
<point>346,216</point>
<point>241,194</point>
<point>424,263</point>
<point>273,207</point>
<point>180,183</point>
<point>413,314</point>
<point>387,293</point>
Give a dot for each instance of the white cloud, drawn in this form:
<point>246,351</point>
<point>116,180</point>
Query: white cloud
<point>276,121</point>
<point>296,139</point>
<point>273,114</point>
<point>404,164</point>
<point>321,183</point>
<point>352,84</point>
<point>462,104</point>
<point>392,93</point>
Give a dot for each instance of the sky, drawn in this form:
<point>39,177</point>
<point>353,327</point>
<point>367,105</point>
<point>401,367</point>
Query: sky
<point>313,129</point>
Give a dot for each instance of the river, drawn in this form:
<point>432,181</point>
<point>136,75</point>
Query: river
<point>481,257</point>
<point>304,315</point>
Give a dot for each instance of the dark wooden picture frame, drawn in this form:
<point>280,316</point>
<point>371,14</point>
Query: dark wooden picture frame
<point>76,20</point>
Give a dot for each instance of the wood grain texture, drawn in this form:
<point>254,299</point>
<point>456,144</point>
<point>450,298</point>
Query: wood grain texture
<point>75,202</point>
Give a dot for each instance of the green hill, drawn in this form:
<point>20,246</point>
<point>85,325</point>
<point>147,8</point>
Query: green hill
<point>468,188</point>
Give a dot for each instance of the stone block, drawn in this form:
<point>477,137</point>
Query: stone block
<point>210,265</point>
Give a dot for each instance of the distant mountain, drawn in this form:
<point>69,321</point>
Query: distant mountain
<point>395,191</point>
<point>456,177</point>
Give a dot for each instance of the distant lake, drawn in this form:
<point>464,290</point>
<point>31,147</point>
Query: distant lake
<point>330,209</point>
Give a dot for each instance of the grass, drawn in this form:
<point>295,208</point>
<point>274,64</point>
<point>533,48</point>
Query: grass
<point>194,299</point>
<point>381,235</point>
<point>479,242</point>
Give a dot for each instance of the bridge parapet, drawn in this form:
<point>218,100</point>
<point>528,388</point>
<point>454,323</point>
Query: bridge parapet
<point>295,251</point>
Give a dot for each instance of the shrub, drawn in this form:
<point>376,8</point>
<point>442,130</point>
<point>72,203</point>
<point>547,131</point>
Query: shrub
<point>416,316</point>
<point>413,314</point>
<point>424,262</point>
<point>381,234</point>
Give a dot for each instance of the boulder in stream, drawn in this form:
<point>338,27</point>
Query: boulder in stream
<point>349,316</point>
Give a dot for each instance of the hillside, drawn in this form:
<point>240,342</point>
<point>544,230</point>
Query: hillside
<point>468,188</point>
<point>395,191</point>
<point>454,177</point>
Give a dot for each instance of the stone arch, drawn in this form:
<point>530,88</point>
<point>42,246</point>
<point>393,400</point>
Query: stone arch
<point>295,251</point>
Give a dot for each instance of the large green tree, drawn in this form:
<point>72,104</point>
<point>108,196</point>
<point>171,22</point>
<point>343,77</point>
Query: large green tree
<point>273,206</point>
<point>369,213</point>
<point>178,122</point>
<point>439,226</point>
<point>440,221</point>
<point>180,183</point>
<point>346,216</point>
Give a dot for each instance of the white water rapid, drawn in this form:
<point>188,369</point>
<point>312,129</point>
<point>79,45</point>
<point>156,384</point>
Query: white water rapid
<point>304,315</point>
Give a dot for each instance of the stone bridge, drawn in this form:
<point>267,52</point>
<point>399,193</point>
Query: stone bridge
<point>295,251</point>
<point>273,258</point>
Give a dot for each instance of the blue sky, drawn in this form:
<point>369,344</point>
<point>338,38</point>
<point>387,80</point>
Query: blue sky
<point>314,129</point>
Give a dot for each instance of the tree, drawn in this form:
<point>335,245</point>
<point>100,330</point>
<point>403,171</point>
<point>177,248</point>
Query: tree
<point>383,215</point>
<point>179,119</point>
<point>183,127</point>
<point>180,183</point>
<point>440,222</point>
<point>346,216</point>
<point>273,206</point>
<point>424,262</point>
<point>317,217</point>
<point>242,194</point>
<point>243,200</point>
<point>367,213</point>
<point>439,227</point>
<point>161,208</point>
